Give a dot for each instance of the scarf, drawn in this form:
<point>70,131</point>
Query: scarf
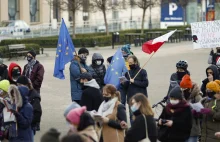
<point>107,108</point>
<point>30,66</point>
<point>172,109</point>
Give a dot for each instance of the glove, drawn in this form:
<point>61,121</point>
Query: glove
<point>206,111</point>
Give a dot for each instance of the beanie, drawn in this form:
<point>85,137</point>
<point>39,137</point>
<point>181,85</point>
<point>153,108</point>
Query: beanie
<point>83,51</point>
<point>23,80</point>
<point>4,85</point>
<point>74,115</point>
<point>32,52</point>
<point>214,86</point>
<point>51,136</point>
<point>186,82</point>
<point>176,93</point>
<point>70,107</point>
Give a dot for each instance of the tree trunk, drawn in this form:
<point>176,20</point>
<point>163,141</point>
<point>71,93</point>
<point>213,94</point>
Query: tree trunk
<point>142,23</point>
<point>74,19</point>
<point>106,23</point>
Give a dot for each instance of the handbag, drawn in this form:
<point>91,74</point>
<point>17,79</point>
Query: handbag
<point>147,138</point>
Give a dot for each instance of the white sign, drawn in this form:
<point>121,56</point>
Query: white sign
<point>206,34</point>
<point>172,7</point>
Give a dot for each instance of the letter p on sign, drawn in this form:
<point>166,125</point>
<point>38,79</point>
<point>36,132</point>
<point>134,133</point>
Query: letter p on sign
<point>172,7</point>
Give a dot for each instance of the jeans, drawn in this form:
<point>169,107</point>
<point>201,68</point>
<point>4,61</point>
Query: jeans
<point>192,139</point>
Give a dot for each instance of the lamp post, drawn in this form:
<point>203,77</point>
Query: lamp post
<point>150,22</point>
<point>131,3</point>
<point>50,12</point>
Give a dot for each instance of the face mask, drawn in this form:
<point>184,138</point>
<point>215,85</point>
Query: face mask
<point>98,63</point>
<point>15,74</point>
<point>106,99</point>
<point>210,94</point>
<point>186,94</point>
<point>132,66</point>
<point>83,57</point>
<point>29,58</point>
<point>134,108</point>
<point>174,102</point>
<point>180,75</point>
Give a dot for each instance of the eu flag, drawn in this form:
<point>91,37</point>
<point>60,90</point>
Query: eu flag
<point>65,50</point>
<point>116,69</point>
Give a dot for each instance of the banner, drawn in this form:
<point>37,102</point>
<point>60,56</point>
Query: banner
<point>210,10</point>
<point>206,34</point>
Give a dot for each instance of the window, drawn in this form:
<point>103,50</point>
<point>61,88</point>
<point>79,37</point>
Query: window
<point>34,11</point>
<point>13,9</point>
<point>85,10</point>
<point>56,10</point>
<point>115,14</point>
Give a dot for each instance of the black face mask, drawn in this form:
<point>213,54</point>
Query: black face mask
<point>180,75</point>
<point>106,99</point>
<point>16,72</point>
<point>29,58</point>
<point>210,94</point>
<point>132,66</point>
<point>187,94</point>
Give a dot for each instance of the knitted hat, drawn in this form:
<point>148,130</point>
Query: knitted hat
<point>86,75</point>
<point>32,52</point>
<point>70,107</point>
<point>214,86</point>
<point>74,115</point>
<point>23,80</point>
<point>4,85</point>
<point>1,61</point>
<point>51,136</point>
<point>176,93</point>
<point>109,59</point>
<point>186,82</point>
<point>83,51</point>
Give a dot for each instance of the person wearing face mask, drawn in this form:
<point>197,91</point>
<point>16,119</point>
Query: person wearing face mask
<point>112,113</point>
<point>3,70</point>
<point>175,121</point>
<point>91,95</point>
<point>78,66</point>
<point>211,112</point>
<point>14,72</point>
<point>214,57</point>
<point>82,122</point>
<point>192,95</point>
<point>99,69</point>
<point>144,125</point>
<point>34,70</point>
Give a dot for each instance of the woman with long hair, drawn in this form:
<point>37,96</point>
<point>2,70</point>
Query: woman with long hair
<point>144,126</point>
<point>112,113</point>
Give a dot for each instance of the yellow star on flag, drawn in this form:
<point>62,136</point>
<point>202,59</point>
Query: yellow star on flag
<point>66,53</point>
<point>117,58</point>
<point>57,55</point>
<point>116,73</point>
<point>59,45</point>
<point>112,69</point>
<point>67,48</point>
<point>59,50</point>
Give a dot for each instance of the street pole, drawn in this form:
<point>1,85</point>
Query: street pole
<point>50,12</point>
<point>131,3</point>
<point>150,22</point>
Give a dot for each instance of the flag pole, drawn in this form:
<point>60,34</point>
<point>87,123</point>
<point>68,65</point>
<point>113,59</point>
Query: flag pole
<point>77,58</point>
<point>144,65</point>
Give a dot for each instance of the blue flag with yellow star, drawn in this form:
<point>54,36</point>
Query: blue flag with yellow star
<point>64,53</point>
<point>115,69</point>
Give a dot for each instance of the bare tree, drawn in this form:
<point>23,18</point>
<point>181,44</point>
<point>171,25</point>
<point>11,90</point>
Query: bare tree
<point>68,5</point>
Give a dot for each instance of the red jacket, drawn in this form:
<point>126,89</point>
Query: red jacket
<point>10,69</point>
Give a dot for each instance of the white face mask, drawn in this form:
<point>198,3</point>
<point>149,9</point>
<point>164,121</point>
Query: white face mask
<point>98,62</point>
<point>174,102</point>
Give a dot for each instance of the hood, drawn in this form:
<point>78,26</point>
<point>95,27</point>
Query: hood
<point>92,83</point>
<point>4,85</point>
<point>97,56</point>
<point>215,71</point>
<point>11,66</point>
<point>24,91</point>
<point>195,90</point>
<point>18,99</point>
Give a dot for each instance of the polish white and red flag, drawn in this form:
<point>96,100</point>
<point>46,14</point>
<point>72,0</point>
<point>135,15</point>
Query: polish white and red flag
<point>153,45</point>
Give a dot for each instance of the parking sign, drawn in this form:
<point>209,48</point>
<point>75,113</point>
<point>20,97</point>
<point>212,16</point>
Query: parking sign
<point>171,12</point>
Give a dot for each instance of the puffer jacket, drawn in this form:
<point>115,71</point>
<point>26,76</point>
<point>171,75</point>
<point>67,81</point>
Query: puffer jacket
<point>211,123</point>
<point>99,70</point>
<point>3,72</point>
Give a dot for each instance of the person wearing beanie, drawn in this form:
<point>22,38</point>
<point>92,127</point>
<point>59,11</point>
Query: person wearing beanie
<point>175,121</point>
<point>34,99</point>
<point>73,105</point>
<point>14,72</point>
<point>83,122</point>
<point>50,136</point>
<point>23,112</point>
<point>3,70</point>
<point>211,112</point>
<point>78,66</point>
<point>34,70</point>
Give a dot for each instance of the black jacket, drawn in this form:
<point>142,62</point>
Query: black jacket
<point>91,96</point>
<point>137,131</point>
<point>206,81</point>
<point>181,128</point>
<point>140,83</point>
<point>4,72</point>
<point>34,99</point>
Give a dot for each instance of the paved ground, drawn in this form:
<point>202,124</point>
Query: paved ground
<point>56,93</point>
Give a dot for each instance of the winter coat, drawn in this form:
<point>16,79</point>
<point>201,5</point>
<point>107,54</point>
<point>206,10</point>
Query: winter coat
<point>99,70</point>
<point>211,123</point>
<point>76,88</point>
<point>37,75</point>
<point>91,95</point>
<point>4,72</point>
<point>34,99</point>
<point>140,83</point>
<point>195,97</point>
<point>213,58</point>
<point>206,81</point>
<point>137,132</point>
<point>24,115</point>
<point>89,134</point>
<point>182,124</point>
<point>11,66</point>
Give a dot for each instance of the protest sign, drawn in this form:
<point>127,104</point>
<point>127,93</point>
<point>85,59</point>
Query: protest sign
<point>206,34</point>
